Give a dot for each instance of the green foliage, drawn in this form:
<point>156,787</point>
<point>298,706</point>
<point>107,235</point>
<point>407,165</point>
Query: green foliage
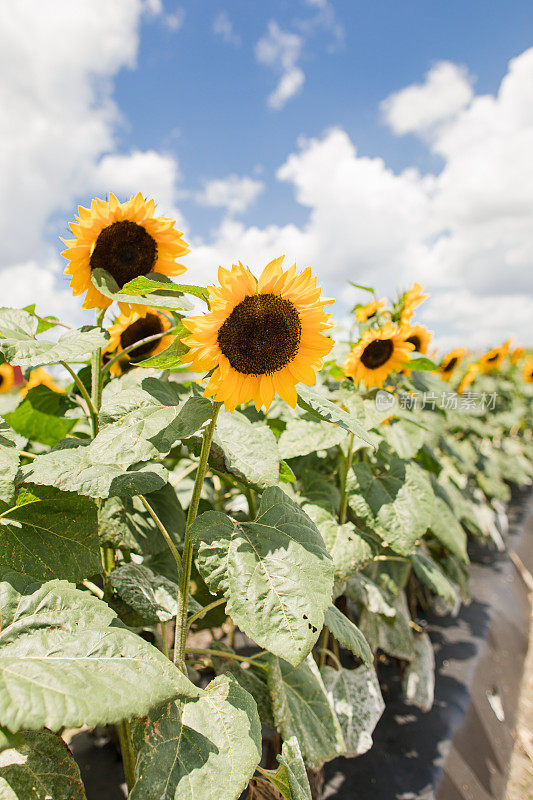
<point>142,291</point>
<point>44,416</point>
<point>318,404</point>
<point>356,697</point>
<point>348,634</point>
<point>9,463</point>
<point>290,778</point>
<point>347,548</point>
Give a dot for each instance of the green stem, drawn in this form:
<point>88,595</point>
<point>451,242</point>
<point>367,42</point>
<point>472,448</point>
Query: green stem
<point>96,374</point>
<point>323,649</point>
<point>252,506</point>
<point>85,394</point>
<point>325,652</point>
<point>128,758</point>
<point>232,656</point>
<point>164,640</point>
<point>346,469</point>
<point>168,539</point>
<point>204,610</point>
<point>134,346</point>
<point>28,455</point>
<point>185,578</point>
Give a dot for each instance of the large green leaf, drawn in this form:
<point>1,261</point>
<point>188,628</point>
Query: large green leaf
<point>50,534</point>
<point>253,679</point>
<point>151,596</point>
<point>304,436</point>
<point>396,498</point>
<point>65,660</point>
<point>41,767</point>
<point>349,551</point>
<point>348,634</point>
<point>21,347</point>
<point>392,635</point>
<point>448,531</point>
<point>360,589</point>
<point>275,573</point>
<point>71,466</point>
<point>356,697</point>
<point>9,463</point>
<point>171,357</point>
<point>290,778</point>
<point>406,438</point>
<point>145,422</point>
<point>418,680</point>
<point>302,709</point>
<point>154,282</point>
<point>317,402</point>
<point>41,416</point>
<point>432,575</point>
<point>125,522</point>
<point>205,749</point>
<point>163,295</point>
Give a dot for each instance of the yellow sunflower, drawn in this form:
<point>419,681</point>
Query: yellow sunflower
<point>450,361</point>
<point>471,373</point>
<point>516,354</point>
<point>411,299</point>
<point>7,378</point>
<point>492,360</point>
<point>527,369</point>
<point>127,241</point>
<point>130,328</point>
<point>365,313</point>
<point>40,377</point>
<point>419,336</point>
<point>376,355</point>
<point>260,336</point>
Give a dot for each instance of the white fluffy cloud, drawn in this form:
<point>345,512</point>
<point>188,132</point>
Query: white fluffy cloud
<point>223,27</point>
<point>233,193</point>
<point>281,50</point>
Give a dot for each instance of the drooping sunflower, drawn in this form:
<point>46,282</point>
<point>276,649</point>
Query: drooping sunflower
<point>7,378</point>
<point>411,299</point>
<point>527,369</point>
<point>40,377</point>
<point>376,355</point>
<point>365,313</point>
<point>419,336</point>
<point>130,328</point>
<point>471,373</point>
<point>516,354</point>
<point>492,359</point>
<point>450,361</point>
<point>127,241</point>
<point>260,336</point>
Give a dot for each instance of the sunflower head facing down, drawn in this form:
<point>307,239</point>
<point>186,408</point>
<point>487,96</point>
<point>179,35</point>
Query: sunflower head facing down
<point>377,354</point>
<point>470,375</point>
<point>40,377</point>
<point>419,337</point>
<point>527,369</point>
<point>364,313</point>
<point>411,299</point>
<point>260,337</point>
<point>130,328</point>
<point>7,378</point>
<point>126,240</point>
<point>450,361</point>
<point>516,354</point>
<point>492,360</point>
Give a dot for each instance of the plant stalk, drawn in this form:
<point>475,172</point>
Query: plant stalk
<point>232,656</point>
<point>93,413</point>
<point>128,758</point>
<point>153,338</point>
<point>204,610</point>
<point>185,578</point>
<point>168,539</point>
<point>347,465</point>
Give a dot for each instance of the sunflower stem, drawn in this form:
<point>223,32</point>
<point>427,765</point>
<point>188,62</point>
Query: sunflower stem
<point>252,506</point>
<point>204,610</point>
<point>96,374</point>
<point>167,537</point>
<point>346,466</point>
<point>185,578</point>
<point>134,346</point>
<point>85,394</point>
<point>128,758</point>
<point>232,656</point>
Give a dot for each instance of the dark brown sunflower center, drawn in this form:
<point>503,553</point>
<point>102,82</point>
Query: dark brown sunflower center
<point>1,380</point>
<point>377,353</point>
<point>450,365</point>
<point>261,335</point>
<point>125,250</point>
<point>149,325</point>
<point>416,341</point>
<point>493,358</point>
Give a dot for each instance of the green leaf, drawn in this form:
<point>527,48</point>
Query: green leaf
<point>50,534</point>
<point>448,531</point>
<point>302,436</point>
<point>360,286</point>
<point>125,522</point>
<point>302,709</point>
<point>348,550</point>
<point>432,575</point>
<point>171,357</point>
<point>145,422</point>
<point>397,500</point>
<point>348,634</point>
<point>40,767</point>
<point>205,748</point>
<point>320,490</point>
<point>154,282</point>
<point>356,698</point>
<point>9,463</point>
<point>392,635</point>
<point>405,437</point>
<point>21,348</point>
<point>71,466</point>
<point>64,660</point>
<point>41,416</point>
<point>275,573</point>
<point>152,596</point>
<point>9,740</point>
<point>286,475</point>
<point>360,589</point>
<point>418,680</point>
<point>290,778</point>
<point>318,404</point>
<point>421,363</point>
<point>161,296</point>
<point>252,679</point>
<point>45,323</point>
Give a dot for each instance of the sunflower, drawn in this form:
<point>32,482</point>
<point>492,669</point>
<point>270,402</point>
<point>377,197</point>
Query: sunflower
<point>492,360</point>
<point>468,378</point>
<point>127,241</point>
<point>260,336</point>
<point>412,298</point>
<point>40,377</point>
<point>450,362</point>
<point>130,328</point>
<point>364,313</point>
<point>419,336</point>
<point>7,378</point>
<point>376,355</point>
<point>516,354</point>
<point>527,369</point>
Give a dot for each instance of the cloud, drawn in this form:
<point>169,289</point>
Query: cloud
<point>289,84</point>
<point>280,50</point>
<point>417,108</point>
<point>223,27</point>
<point>233,193</point>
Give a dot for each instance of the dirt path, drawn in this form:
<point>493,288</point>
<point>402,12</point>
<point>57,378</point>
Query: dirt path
<point>520,786</point>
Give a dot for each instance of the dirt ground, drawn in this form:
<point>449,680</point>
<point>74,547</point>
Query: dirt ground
<point>520,786</point>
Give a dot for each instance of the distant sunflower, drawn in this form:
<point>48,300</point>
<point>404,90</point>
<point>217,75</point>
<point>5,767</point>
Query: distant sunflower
<point>419,337</point>
<point>492,360</point>
<point>377,354</point>
<point>7,378</point>
<point>365,313</point>
<point>471,373</point>
<point>126,240</point>
<point>516,354</point>
<point>411,299</point>
<point>40,377</point>
<point>130,328</point>
<point>450,361</point>
<point>527,369</point>
<point>260,336</point>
